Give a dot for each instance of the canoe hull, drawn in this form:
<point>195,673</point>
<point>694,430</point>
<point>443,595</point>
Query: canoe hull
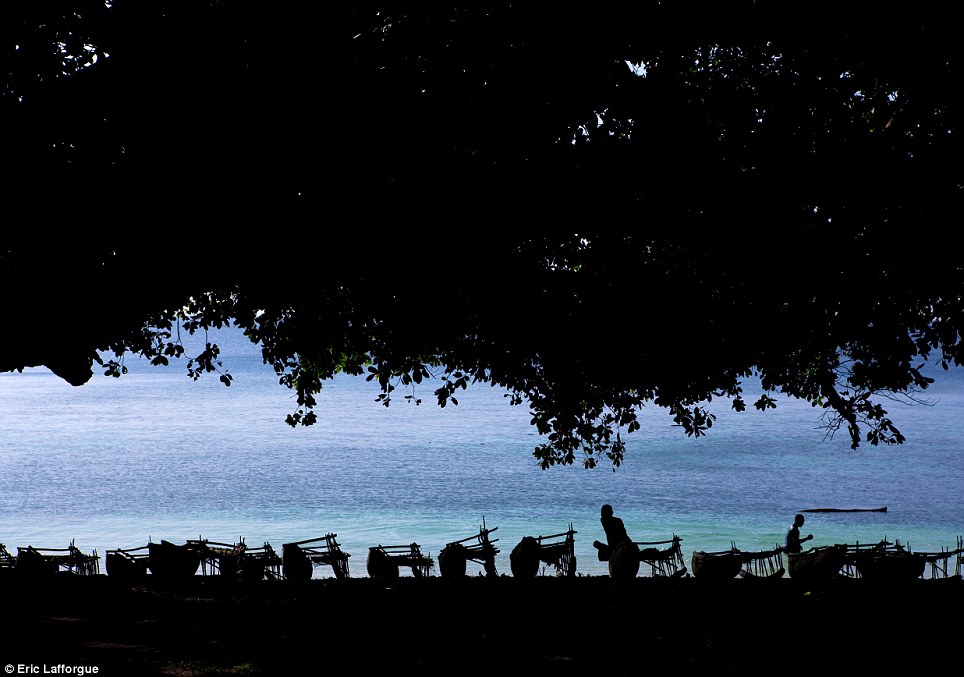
<point>624,561</point>
<point>816,565</point>
<point>717,566</point>
<point>120,565</point>
<point>170,561</point>
<point>891,566</point>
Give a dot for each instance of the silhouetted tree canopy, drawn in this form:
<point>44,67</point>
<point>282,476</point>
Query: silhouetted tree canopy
<point>627,205</point>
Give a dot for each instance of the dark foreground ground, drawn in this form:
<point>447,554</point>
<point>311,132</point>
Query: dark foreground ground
<point>436,626</point>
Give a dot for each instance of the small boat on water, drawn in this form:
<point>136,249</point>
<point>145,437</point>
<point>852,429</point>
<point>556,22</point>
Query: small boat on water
<point>817,565</point>
<point>882,508</point>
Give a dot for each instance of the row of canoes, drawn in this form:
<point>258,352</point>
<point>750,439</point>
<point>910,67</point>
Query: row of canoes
<point>881,561</point>
<point>297,560</point>
<point>877,562</point>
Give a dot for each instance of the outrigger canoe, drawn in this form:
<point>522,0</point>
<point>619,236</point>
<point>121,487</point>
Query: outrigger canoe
<point>722,565</point>
<point>298,559</point>
<point>129,564</point>
<point>817,565</point>
<point>455,556</point>
<point>527,555</point>
<point>890,564</point>
<point>728,564</point>
<point>384,561</point>
<point>171,561</point>
<point>31,560</point>
<point>663,562</point>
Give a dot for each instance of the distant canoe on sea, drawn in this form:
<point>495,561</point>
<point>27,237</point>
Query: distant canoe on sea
<point>880,509</point>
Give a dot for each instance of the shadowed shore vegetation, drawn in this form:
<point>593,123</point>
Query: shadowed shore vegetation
<point>436,626</point>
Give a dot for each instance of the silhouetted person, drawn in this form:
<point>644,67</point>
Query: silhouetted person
<point>793,536</point>
<point>615,533</point>
<point>619,550</point>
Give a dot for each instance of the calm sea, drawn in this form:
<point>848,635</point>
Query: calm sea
<point>153,455</point>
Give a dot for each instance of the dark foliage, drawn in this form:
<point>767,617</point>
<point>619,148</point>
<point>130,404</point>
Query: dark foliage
<point>626,205</point>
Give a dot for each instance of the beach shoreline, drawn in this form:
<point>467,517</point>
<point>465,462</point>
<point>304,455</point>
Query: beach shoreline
<point>214,626</point>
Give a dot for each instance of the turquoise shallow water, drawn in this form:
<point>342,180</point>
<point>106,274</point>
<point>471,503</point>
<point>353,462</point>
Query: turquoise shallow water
<point>118,462</point>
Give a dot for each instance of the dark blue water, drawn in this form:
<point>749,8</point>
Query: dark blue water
<point>152,455</point>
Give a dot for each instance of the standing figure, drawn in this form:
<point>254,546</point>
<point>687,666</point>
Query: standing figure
<point>794,542</point>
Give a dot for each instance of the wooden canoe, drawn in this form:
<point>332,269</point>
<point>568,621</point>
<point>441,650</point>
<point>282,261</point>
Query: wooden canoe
<point>455,556</point>
<point>171,561</point>
<point>717,566</point>
<point>31,561</point>
<point>624,561</point>
<point>525,558</point>
<point>384,561</point>
<point>817,565</point>
<point>127,564</point>
<point>890,565</point>
<point>763,564</point>
<point>298,559</point>
<point>667,561</point>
